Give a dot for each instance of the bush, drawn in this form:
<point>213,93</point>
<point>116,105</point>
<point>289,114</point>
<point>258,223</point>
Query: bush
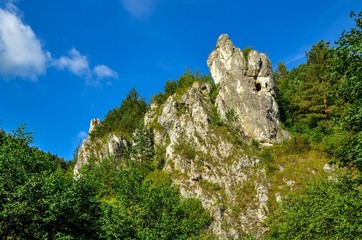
<point>255,144</point>
<point>215,116</point>
<point>149,207</point>
<point>185,147</point>
<point>324,210</point>
<point>297,144</point>
<point>181,85</point>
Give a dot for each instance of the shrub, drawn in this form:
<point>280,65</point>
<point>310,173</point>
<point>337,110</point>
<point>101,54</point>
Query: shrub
<point>297,144</point>
<point>181,85</point>
<point>185,147</point>
<point>324,210</point>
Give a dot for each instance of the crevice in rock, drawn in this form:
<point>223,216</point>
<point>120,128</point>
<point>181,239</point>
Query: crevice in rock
<point>257,87</point>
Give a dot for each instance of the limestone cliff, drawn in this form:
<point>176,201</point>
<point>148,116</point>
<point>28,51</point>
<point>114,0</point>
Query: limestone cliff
<point>204,135</point>
<point>97,149</point>
<point>246,85</point>
<point>206,162</point>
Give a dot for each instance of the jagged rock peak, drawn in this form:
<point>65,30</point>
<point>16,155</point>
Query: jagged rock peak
<point>224,40</point>
<point>246,85</point>
<point>248,62</point>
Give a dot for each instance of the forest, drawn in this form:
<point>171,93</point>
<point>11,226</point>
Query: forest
<point>321,106</point>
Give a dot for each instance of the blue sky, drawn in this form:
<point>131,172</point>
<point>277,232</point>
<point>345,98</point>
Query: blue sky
<point>65,62</point>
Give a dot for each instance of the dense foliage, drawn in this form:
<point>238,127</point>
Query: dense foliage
<point>322,98</point>
<point>135,205</point>
<point>124,119</point>
<point>322,101</point>
<point>37,199</point>
<point>40,200</point>
<point>324,210</point>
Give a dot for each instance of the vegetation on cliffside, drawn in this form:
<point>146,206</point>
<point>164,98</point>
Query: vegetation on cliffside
<point>40,199</point>
<point>322,98</point>
<point>180,86</point>
<point>124,119</point>
<point>321,105</point>
<point>322,101</point>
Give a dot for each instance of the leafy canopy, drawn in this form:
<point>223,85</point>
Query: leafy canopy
<point>124,119</point>
<point>324,210</point>
<point>323,97</point>
<point>40,200</point>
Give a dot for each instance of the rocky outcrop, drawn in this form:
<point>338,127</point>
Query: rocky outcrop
<point>206,157</point>
<point>201,136</point>
<point>96,149</point>
<point>246,85</point>
<point>205,162</point>
<point>176,114</point>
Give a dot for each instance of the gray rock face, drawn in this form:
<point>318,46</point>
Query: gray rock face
<point>207,160</point>
<point>204,163</point>
<point>98,149</point>
<point>203,159</point>
<point>246,85</point>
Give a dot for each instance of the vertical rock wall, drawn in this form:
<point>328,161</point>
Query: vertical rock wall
<point>246,85</point>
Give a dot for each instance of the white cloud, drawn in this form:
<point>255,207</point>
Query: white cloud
<point>139,8</point>
<point>21,53</point>
<point>102,71</point>
<point>76,63</point>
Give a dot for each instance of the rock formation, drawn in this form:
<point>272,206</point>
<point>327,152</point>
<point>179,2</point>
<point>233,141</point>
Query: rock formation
<point>207,160</point>
<point>246,85</point>
<point>109,146</point>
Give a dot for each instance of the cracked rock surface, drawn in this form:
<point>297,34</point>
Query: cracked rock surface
<point>246,85</point>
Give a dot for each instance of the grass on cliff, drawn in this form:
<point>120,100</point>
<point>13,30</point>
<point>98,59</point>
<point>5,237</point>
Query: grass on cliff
<point>291,166</point>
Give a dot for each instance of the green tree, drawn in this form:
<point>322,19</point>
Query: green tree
<point>323,98</point>
<point>303,93</point>
<point>346,68</point>
<point>125,118</point>
<point>149,207</point>
<point>29,188</point>
<point>281,71</point>
<point>142,149</point>
<point>38,198</point>
<point>346,72</point>
<point>324,210</point>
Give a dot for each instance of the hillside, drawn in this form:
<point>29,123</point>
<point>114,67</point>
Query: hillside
<point>221,139</point>
<point>243,153</point>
